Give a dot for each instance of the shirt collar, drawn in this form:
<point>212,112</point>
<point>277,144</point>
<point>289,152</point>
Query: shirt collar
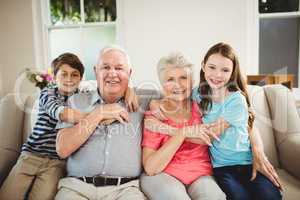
<point>64,97</point>
<point>98,99</point>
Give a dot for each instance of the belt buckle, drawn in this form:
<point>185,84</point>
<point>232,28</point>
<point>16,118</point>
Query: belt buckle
<point>100,177</point>
<point>94,180</point>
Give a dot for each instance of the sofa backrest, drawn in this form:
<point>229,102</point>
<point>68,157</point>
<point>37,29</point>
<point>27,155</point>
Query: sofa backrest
<point>258,101</point>
<point>263,121</point>
<point>286,126</point>
<point>30,116</point>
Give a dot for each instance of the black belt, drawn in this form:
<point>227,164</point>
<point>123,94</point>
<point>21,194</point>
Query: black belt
<point>105,181</point>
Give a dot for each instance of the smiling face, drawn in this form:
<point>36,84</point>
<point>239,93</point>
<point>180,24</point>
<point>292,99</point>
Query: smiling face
<point>112,73</point>
<point>177,83</point>
<point>217,71</point>
<point>67,79</point>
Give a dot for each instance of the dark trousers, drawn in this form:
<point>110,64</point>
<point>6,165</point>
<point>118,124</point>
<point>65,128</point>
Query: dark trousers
<point>236,184</point>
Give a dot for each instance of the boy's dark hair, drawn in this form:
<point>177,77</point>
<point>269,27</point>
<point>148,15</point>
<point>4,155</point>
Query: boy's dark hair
<point>70,59</point>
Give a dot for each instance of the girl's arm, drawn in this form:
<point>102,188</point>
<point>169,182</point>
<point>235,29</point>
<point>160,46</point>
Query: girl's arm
<point>215,129</point>
<point>196,134</point>
<point>260,160</point>
<point>155,161</point>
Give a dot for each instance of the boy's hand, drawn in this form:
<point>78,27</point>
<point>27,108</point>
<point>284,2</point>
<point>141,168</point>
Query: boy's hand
<point>131,100</point>
<point>156,109</point>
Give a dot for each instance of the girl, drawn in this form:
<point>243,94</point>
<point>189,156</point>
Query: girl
<point>222,94</point>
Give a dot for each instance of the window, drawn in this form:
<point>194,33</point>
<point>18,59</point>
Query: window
<point>82,27</point>
<point>279,23</point>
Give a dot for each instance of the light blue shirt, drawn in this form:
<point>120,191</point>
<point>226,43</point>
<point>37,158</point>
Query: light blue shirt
<point>234,145</point>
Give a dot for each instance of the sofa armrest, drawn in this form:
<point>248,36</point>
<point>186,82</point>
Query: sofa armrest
<point>289,151</point>
<point>11,126</point>
<point>7,160</point>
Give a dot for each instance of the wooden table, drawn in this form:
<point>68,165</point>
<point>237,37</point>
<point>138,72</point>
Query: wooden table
<point>264,79</point>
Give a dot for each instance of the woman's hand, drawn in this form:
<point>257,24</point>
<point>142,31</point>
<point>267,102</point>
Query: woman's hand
<point>263,165</point>
<point>131,100</point>
<point>156,109</point>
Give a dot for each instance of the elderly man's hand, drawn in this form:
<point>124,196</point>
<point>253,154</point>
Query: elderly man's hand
<point>114,111</point>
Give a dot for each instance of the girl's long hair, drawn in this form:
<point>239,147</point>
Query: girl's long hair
<point>235,83</point>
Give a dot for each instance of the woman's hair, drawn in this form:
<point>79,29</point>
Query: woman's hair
<point>69,59</point>
<point>173,60</point>
<point>235,83</point>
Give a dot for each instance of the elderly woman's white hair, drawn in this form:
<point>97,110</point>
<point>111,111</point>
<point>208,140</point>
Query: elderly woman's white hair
<point>116,48</point>
<point>173,60</point>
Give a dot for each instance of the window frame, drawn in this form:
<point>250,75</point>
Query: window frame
<point>47,27</point>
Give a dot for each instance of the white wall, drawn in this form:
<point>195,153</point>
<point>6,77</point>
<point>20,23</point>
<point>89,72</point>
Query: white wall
<point>16,39</point>
<point>150,29</point>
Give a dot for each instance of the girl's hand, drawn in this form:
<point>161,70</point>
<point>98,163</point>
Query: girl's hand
<point>217,128</point>
<point>263,165</point>
<point>197,132</point>
<point>212,131</point>
<point>131,100</point>
<point>156,109</point>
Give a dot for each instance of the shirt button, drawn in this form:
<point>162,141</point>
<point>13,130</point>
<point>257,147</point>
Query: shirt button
<point>109,136</point>
<point>103,172</point>
<point>106,152</point>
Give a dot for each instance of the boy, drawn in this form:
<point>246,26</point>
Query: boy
<point>39,168</point>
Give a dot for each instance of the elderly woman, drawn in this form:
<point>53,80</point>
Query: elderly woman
<point>177,167</point>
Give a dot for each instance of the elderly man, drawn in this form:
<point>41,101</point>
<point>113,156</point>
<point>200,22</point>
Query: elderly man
<point>103,161</point>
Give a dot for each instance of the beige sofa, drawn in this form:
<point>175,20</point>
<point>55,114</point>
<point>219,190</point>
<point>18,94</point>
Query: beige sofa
<point>277,120</point>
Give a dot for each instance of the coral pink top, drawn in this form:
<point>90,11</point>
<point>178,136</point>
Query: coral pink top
<point>191,160</point>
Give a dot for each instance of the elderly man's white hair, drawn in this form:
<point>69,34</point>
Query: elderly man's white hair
<point>114,48</point>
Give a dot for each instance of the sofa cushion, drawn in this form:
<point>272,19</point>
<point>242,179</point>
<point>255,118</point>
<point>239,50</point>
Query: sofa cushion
<point>263,122</point>
<point>290,184</point>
